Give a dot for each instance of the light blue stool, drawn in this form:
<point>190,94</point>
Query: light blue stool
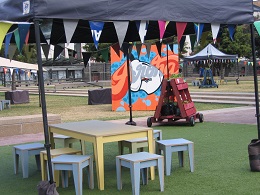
<point>24,151</point>
<point>74,163</point>
<point>175,145</point>
<point>137,162</point>
<point>138,144</point>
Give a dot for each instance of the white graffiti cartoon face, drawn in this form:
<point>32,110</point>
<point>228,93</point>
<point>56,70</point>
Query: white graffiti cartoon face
<point>145,77</point>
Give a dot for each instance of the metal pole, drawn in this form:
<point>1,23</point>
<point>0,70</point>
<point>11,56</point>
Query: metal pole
<point>255,78</point>
<point>130,122</point>
<point>43,101</point>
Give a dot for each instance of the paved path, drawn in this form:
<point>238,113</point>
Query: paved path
<point>239,115</point>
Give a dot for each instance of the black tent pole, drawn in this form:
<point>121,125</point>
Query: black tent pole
<point>43,101</point>
<point>130,122</point>
<point>255,78</point>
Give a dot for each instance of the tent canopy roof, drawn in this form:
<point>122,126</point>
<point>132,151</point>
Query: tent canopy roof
<point>200,11</point>
<point>15,64</point>
<point>210,52</point>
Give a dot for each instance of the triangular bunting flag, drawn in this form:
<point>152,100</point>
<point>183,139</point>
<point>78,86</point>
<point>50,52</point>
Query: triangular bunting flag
<point>231,29</point>
<point>96,30</point>
<point>215,30</point>
<point>182,42</point>
<point>27,37</point>
<point>257,26</point>
<point>142,27</point>
<point>69,27</point>
<point>104,53</point>
<point>46,28</point>
<point>180,26</point>
<point>192,41</point>
<point>171,46</point>
<point>7,42</point>
<point>11,51</point>
<point>148,49</point>
<point>86,57</point>
<point>121,29</point>
<point>23,31</point>
<point>198,30</point>
<point>46,49</point>
<point>11,71</point>
<point>57,51</point>
<point>162,27</point>
<point>124,48</point>
<point>4,27</point>
<point>17,39</point>
<point>138,49</point>
<point>116,48</point>
<point>28,51</point>
<point>130,48</point>
<point>159,47</point>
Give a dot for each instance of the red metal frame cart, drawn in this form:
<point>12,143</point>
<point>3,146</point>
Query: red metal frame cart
<point>175,103</point>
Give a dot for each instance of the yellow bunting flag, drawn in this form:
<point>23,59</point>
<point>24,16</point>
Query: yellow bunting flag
<point>4,27</point>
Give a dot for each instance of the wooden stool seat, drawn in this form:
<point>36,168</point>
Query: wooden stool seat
<point>25,151</point>
<point>54,153</point>
<point>137,144</point>
<point>137,162</point>
<point>74,163</point>
<point>175,145</point>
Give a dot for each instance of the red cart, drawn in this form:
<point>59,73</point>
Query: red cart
<point>174,104</point>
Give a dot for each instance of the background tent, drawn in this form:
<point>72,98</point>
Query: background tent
<point>210,52</point>
<point>16,64</point>
<point>201,11</point>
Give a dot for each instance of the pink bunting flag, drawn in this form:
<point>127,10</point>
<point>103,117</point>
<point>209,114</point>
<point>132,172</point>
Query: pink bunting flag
<point>180,26</point>
<point>162,27</point>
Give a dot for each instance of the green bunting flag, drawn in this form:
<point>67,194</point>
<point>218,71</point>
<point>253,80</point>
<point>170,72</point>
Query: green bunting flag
<point>257,26</point>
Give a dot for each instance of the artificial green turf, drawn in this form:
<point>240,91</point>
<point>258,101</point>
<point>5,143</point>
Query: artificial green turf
<point>221,165</point>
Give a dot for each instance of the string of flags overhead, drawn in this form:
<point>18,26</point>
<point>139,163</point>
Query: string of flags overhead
<point>22,33</point>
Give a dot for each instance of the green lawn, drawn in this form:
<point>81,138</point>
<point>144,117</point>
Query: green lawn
<point>221,165</point>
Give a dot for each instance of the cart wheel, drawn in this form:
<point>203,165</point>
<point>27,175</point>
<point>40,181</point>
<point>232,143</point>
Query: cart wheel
<point>149,122</point>
<point>201,118</point>
<point>192,121</point>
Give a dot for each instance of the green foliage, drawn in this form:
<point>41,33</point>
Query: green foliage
<point>90,47</point>
<point>174,76</point>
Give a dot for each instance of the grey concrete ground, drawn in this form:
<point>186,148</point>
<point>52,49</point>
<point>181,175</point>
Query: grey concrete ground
<point>239,115</point>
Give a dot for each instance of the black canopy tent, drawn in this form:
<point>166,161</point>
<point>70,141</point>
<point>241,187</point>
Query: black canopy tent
<point>200,11</point>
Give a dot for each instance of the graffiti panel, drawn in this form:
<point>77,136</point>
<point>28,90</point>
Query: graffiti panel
<point>146,75</point>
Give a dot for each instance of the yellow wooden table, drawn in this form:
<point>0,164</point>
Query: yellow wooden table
<point>100,132</point>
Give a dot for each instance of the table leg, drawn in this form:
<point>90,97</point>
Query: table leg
<point>51,140</point>
<point>99,157</point>
<point>151,149</point>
